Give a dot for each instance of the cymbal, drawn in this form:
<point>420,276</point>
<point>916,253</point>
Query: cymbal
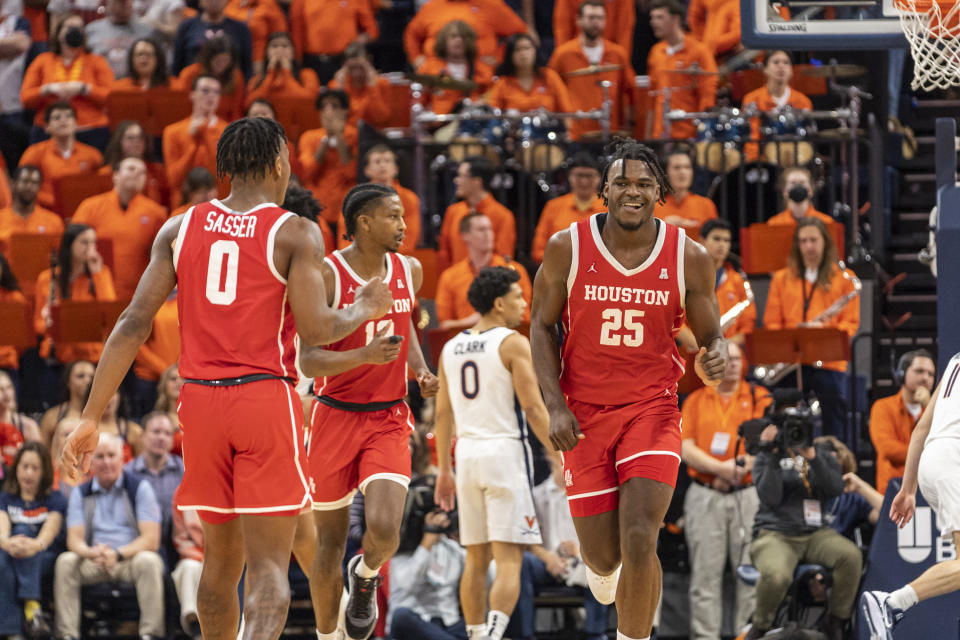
<point>442,82</point>
<point>835,71</point>
<point>840,133</point>
<point>592,69</point>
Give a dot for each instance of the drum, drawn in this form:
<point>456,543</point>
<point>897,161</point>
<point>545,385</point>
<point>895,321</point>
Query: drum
<point>539,143</point>
<point>719,140</point>
<point>788,127</point>
<point>480,137</point>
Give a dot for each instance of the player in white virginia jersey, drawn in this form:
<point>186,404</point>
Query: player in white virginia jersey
<point>489,391</point>
<point>933,462</point>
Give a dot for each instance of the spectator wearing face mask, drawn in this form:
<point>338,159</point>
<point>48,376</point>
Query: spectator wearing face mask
<point>797,189</point>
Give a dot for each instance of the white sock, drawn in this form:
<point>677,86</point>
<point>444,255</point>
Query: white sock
<point>364,571</point>
<point>476,630</point>
<point>336,635</point>
<point>622,636</point>
<point>496,624</point>
<point>903,598</point>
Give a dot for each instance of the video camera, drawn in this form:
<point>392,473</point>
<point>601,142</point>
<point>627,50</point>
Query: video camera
<point>793,417</point>
<point>420,503</point>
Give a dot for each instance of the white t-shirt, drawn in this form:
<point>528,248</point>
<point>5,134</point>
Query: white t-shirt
<point>595,53</point>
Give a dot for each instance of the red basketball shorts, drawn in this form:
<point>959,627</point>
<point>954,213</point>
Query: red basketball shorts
<point>242,450</point>
<point>350,449</point>
<point>639,440</point>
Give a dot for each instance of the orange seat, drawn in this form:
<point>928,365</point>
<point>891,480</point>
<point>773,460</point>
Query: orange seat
<point>399,99</point>
<point>764,248</point>
<point>428,259</point>
<point>72,190</point>
<point>29,254</point>
<point>153,109</point>
<point>296,114</point>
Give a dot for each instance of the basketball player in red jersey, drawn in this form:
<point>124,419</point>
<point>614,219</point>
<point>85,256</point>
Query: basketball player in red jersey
<point>620,283</point>
<point>360,425</point>
<point>245,271</point>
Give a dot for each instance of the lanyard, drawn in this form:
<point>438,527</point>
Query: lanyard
<point>806,297</point>
<point>731,405</point>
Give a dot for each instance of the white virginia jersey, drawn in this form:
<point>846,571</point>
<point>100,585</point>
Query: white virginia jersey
<point>946,414</point>
<point>480,387</point>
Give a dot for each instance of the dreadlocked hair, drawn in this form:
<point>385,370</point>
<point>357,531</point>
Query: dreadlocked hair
<point>248,148</point>
<point>629,149</point>
<point>358,200</point>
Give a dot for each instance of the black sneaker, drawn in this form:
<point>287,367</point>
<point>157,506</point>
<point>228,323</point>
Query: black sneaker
<point>361,614</point>
<point>39,627</point>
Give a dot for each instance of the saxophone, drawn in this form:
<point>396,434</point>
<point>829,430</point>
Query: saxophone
<point>734,312</point>
<point>776,373</point>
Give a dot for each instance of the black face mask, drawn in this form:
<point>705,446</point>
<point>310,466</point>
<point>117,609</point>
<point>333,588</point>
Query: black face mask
<point>74,37</point>
<point>798,194</point>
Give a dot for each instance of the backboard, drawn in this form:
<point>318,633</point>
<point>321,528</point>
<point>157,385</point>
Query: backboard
<point>820,24</point>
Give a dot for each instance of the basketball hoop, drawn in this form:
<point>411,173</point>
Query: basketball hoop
<point>933,29</point>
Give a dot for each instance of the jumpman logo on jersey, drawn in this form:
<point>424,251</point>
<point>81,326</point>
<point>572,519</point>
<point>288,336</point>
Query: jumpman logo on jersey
<point>397,411</point>
<point>663,274</point>
<point>350,290</point>
<point>593,268</point>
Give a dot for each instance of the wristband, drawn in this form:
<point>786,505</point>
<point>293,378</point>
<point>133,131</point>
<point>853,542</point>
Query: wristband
<point>119,555</point>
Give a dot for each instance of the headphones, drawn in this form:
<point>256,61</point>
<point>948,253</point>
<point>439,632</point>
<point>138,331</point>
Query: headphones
<point>900,372</point>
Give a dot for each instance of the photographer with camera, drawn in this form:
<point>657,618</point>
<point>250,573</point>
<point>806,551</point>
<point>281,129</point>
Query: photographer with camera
<point>424,603</point>
<point>795,479</point>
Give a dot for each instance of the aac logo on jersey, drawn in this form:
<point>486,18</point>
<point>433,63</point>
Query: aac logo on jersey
<point>664,275</point>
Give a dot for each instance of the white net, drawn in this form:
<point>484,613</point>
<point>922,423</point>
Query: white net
<point>933,31</point>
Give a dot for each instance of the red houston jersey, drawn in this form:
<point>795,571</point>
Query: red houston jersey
<point>619,324</point>
<point>371,382</point>
<point>232,305</point>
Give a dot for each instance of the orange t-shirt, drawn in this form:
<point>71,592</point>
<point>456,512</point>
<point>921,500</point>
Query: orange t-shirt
<point>765,102</point>
<point>80,289</point>
<point>156,188</point>
<point>280,83</point>
<point>40,220</point>
<point>690,93</point>
<point>491,19</point>
<point>329,180</point>
<point>692,207</point>
<point>712,422</point>
<point>729,293</point>
<point>451,300</point>
<point>621,18</point>
<point>46,155</point>
<point>370,104</point>
<point>411,217</point>
<point>785,218</point>
<point>89,68</point>
<point>182,152</point>
<point>444,100</point>
<point>558,214</point>
<point>548,91</point>
<point>263,17</point>
<point>326,27</point>
<point>715,23</point>
<point>162,348</point>
<point>231,103</point>
<point>585,94</point>
<point>784,309</point>
<point>132,231</point>
<point>6,198</point>
<point>451,247</point>
<point>9,357</point>
<point>891,426</point>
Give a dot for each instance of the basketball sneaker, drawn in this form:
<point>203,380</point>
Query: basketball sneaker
<point>603,588</point>
<point>360,617</point>
<point>880,616</point>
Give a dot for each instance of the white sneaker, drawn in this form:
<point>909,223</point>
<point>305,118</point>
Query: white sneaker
<point>881,618</point>
<point>603,588</point>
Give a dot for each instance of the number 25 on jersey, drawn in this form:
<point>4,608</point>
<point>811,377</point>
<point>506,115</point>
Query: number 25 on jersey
<point>616,320</point>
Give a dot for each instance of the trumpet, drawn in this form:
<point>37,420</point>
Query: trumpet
<point>734,312</point>
<point>775,373</point>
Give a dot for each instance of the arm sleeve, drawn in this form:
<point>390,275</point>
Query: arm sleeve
<point>773,311</point>
<point>507,22</point>
<point>707,84</point>
<point>366,22</point>
<point>103,80</point>
<point>697,18</point>
<point>444,303</point>
<point>297,27</point>
<point>414,36</point>
<point>883,433</point>
<point>626,20</point>
<point>506,239</point>
<point>767,477</point>
<point>730,36</point>
<point>103,285</point>
<point>178,154</point>
<point>30,94</point>
<point>148,509</point>
<point>563,22</point>
<point>560,90</point>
